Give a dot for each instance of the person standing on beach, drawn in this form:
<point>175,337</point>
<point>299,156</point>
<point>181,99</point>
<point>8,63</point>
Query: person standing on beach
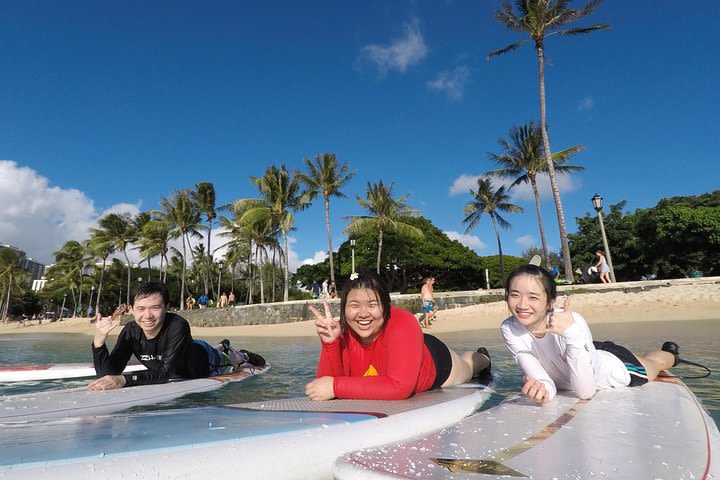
<point>326,288</point>
<point>162,342</point>
<point>223,300</point>
<point>427,299</point>
<point>602,267</point>
<point>231,299</point>
<point>315,289</point>
<point>555,349</point>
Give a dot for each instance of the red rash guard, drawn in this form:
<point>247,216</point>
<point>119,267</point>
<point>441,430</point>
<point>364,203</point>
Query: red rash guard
<point>393,367</point>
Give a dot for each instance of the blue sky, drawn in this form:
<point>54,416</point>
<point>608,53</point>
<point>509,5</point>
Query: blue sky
<point>108,106</point>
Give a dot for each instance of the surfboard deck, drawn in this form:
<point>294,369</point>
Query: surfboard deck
<point>74,402</point>
<point>290,438</point>
<point>52,371</point>
<point>659,430</point>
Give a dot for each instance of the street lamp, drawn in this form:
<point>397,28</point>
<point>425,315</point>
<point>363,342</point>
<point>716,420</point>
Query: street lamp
<point>92,292</point>
<point>352,245</point>
<point>597,202</point>
<point>62,309</point>
<point>221,264</point>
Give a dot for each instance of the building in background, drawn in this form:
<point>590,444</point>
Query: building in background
<point>35,269</point>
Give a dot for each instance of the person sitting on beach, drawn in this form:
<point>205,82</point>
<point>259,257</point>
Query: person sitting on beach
<point>555,349</point>
<point>162,342</point>
<point>379,352</point>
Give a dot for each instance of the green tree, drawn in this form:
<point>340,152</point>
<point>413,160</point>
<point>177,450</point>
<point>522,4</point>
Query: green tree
<point>119,232</point>
<point>100,246</point>
<point>154,241</point>
<point>540,19</point>
<point>492,201</point>
<point>184,218</point>
<point>70,263</point>
<point>204,197</point>
<point>383,214</point>
<point>326,176</point>
<point>282,196</point>
<point>522,159</point>
<point>11,278</point>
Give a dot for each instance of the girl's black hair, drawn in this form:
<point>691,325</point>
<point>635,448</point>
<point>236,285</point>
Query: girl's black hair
<point>542,276</point>
<point>151,288</point>
<point>369,281</point>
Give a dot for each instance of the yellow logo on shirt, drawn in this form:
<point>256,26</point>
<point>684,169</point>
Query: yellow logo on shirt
<point>370,372</point>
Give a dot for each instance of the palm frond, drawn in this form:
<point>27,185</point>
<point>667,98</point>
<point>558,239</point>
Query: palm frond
<point>509,48</point>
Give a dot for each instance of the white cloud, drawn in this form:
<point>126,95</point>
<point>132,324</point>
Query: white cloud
<point>318,257</point>
<point>38,218</point>
<point>401,53</point>
<point>585,104</point>
<point>452,82</point>
<point>525,241</point>
<point>463,184</point>
<point>470,241</point>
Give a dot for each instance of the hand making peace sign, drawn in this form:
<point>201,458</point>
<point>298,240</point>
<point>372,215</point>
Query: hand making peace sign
<point>328,329</point>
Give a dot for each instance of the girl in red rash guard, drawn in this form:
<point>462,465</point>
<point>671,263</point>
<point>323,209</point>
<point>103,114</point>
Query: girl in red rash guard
<point>379,352</point>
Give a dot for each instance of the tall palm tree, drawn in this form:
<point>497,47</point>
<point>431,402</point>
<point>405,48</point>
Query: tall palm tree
<point>154,241</point>
<point>10,277</point>
<point>385,214</point>
<point>70,263</point>
<point>184,219</point>
<point>282,196</point>
<point>138,223</point>
<point>119,230</point>
<point>540,19</point>
<point>204,197</point>
<point>100,247</point>
<point>523,160</point>
<point>326,176</point>
<point>489,200</point>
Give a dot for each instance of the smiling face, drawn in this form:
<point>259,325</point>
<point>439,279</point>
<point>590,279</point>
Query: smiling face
<point>149,313</point>
<point>364,314</point>
<point>528,301</point>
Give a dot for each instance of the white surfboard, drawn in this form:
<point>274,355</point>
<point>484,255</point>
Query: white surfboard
<point>656,431</point>
<point>52,371</point>
<point>74,402</point>
<point>280,439</point>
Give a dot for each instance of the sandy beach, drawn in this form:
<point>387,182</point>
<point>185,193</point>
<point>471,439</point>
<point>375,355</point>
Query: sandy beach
<point>677,303</point>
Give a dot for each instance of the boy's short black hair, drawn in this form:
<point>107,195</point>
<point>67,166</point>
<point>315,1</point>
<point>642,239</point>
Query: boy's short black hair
<point>151,288</point>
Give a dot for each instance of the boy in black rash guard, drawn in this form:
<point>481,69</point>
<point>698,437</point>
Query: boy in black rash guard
<point>161,341</point>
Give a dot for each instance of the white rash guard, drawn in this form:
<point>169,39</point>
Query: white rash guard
<point>565,362</point>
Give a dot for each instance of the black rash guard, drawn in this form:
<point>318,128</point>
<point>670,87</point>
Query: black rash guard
<point>172,353</point>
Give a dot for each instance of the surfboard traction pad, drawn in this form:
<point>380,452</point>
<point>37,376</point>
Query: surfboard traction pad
<point>378,408</point>
<point>631,437</point>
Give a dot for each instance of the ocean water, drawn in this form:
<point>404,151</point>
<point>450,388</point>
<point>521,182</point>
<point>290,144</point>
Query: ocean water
<point>294,360</point>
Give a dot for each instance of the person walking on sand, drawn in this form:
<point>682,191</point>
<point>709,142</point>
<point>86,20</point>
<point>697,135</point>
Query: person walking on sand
<point>428,301</point>
<point>602,267</point>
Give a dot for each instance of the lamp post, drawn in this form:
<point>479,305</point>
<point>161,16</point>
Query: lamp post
<point>62,309</point>
<point>221,264</point>
<point>92,292</point>
<point>352,246</point>
<point>597,202</point>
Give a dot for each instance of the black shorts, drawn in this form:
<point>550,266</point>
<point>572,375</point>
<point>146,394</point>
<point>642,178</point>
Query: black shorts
<point>440,354</point>
<point>638,376</point>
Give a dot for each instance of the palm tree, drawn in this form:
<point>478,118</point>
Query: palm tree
<point>540,19</point>
<point>491,201</point>
<point>10,276</point>
<point>119,231</point>
<point>326,176</point>
<point>155,242</point>
<point>282,196</point>
<point>184,219</point>
<point>100,246</point>
<point>385,214</point>
<point>523,160</point>
<point>204,198</point>
<point>70,263</point>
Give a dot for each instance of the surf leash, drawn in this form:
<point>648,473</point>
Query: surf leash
<point>688,362</point>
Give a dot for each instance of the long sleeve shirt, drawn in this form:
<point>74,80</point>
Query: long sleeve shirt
<point>393,367</point>
<point>564,362</point>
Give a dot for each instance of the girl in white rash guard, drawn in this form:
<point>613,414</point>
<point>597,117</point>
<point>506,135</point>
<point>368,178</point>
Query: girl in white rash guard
<point>554,346</point>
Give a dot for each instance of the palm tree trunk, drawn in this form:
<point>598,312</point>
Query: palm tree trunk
<point>551,166</point>
<point>273,275</point>
<point>380,242</point>
<point>250,277</point>
<point>286,291</point>
<point>182,276</point>
<point>127,259</point>
<point>209,260</point>
<point>330,248</point>
<point>497,235</point>
<point>543,240</point>
<point>258,260</point>
<point>102,278</point>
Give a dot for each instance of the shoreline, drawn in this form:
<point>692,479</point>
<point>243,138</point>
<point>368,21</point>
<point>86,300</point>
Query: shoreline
<point>676,303</point>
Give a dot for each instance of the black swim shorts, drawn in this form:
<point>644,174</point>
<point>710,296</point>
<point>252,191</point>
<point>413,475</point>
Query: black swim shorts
<point>440,354</point>
<point>638,376</point>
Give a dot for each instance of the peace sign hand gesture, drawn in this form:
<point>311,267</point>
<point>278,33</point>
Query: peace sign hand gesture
<point>328,329</point>
<point>558,320</point>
